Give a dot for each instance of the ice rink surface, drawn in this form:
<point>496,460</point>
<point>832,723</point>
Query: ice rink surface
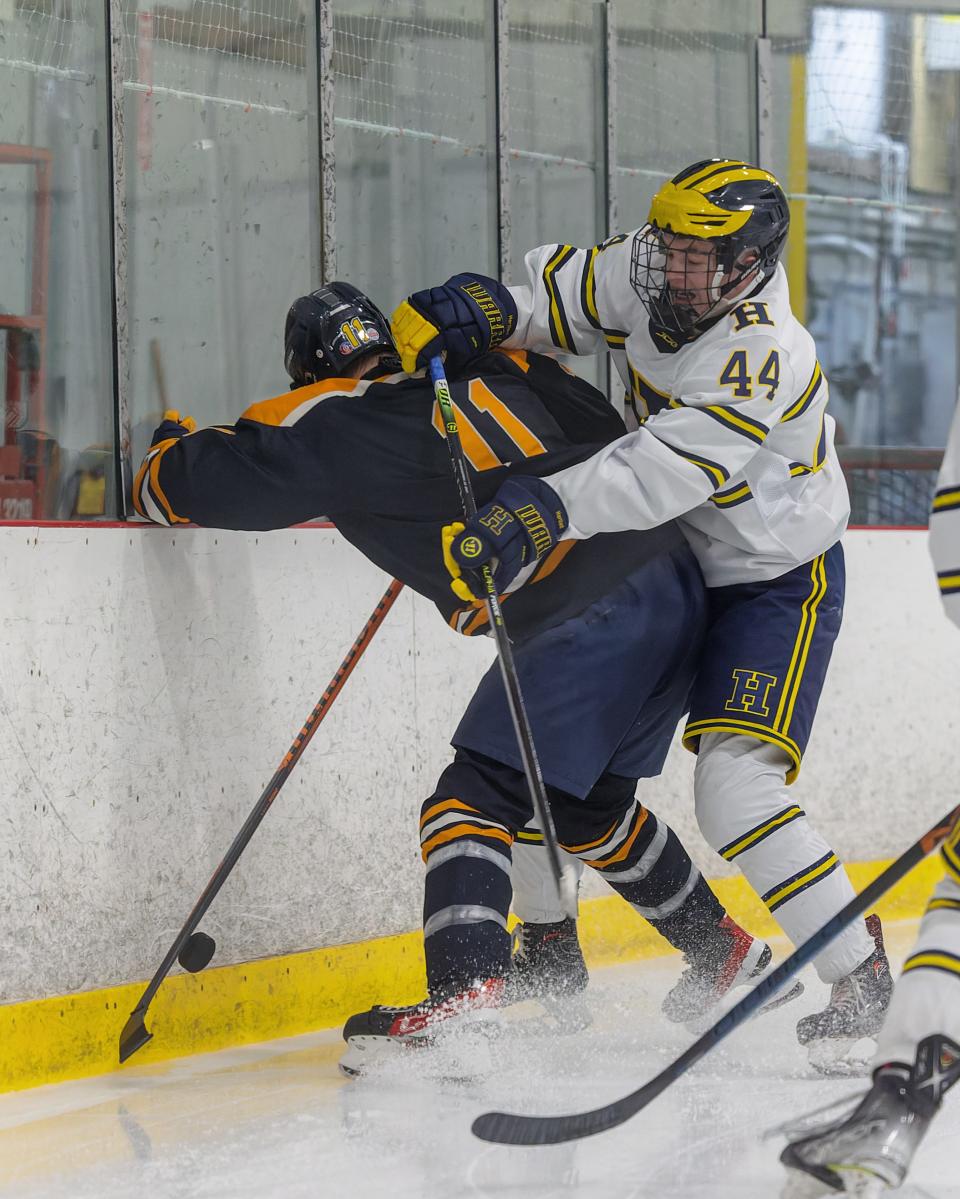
<point>277,1120</point>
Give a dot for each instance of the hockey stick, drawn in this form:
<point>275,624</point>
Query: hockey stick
<point>508,669</point>
<point>506,1129</point>
<point>135,1034</point>
<point>156,361</point>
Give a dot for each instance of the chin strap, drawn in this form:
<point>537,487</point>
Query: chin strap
<point>724,304</point>
<point>761,277</point>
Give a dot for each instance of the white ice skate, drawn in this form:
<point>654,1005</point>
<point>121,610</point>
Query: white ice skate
<point>869,1150</point>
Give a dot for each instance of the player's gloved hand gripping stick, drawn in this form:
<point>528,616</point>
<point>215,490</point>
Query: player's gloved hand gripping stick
<point>194,949</point>
<point>566,887</point>
<point>518,527</point>
<point>505,1128</point>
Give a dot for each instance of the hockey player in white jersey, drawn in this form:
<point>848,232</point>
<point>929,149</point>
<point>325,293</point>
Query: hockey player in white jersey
<point>918,1052</point>
<point>734,440</point>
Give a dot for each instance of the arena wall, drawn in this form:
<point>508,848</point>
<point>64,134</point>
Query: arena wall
<point>151,680</point>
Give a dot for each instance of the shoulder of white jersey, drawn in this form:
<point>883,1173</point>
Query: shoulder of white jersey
<point>738,366</point>
<point>604,292</point>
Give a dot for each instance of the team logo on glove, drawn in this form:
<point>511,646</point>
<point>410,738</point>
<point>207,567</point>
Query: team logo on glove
<point>471,547</point>
<point>497,519</point>
<point>491,310</point>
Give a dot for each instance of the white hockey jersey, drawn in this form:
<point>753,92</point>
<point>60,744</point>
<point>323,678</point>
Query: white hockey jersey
<point>945,525</point>
<point>733,434</point>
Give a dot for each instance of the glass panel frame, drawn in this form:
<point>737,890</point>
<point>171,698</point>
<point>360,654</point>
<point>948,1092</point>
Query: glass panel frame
<point>221,203</point>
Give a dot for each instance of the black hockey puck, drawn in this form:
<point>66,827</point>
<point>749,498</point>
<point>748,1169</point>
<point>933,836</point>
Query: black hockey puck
<point>197,952</point>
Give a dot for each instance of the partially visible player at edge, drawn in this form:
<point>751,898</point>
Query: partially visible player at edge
<point>918,1054</point>
<point>734,442</point>
<point>362,442</point>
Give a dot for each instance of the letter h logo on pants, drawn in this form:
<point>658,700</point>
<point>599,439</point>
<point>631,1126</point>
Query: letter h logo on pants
<point>750,691</point>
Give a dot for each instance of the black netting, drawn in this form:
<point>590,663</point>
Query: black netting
<point>890,486</point>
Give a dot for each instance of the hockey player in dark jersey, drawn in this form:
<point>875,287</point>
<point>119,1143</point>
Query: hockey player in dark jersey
<point>360,441</point>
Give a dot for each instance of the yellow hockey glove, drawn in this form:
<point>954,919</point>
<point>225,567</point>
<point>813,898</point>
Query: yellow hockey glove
<point>411,333</point>
<point>458,584</point>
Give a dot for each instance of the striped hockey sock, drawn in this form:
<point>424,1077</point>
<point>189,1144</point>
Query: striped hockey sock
<point>643,860</point>
<point>466,895</point>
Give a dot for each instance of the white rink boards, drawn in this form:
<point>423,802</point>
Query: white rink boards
<point>152,679</point>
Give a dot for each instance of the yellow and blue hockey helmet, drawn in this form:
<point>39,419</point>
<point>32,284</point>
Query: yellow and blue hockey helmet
<point>738,209</point>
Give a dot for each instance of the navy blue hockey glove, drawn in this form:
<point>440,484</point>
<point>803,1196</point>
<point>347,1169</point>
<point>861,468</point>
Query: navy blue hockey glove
<point>520,525</point>
<point>465,317</point>
<point>174,424</point>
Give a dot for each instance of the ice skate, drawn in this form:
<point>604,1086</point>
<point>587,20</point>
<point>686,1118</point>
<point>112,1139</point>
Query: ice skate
<point>733,958</point>
<point>856,1010</point>
<point>383,1032</point>
<point>869,1151</point>
<point>548,966</point>
<point>547,962</point>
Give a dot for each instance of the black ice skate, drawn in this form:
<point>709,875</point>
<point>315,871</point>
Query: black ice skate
<point>385,1031</point>
<point>870,1150</point>
<point>856,1010</point>
<point>548,966</point>
<point>729,958</point>
<point>547,962</point>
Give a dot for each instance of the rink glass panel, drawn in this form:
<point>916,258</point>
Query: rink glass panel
<point>415,143</point>
<point>56,379</point>
<point>685,91</point>
<point>865,142</point>
<point>555,134</point>
<point>220,133</point>
<point>219,188</point>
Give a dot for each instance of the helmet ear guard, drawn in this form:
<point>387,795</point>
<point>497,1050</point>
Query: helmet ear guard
<point>329,329</point>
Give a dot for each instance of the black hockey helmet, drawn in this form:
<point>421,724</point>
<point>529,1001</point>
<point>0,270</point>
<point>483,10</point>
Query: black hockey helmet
<point>738,209</point>
<point>329,329</point>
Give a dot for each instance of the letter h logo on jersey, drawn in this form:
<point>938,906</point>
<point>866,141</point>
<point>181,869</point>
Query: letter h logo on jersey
<point>751,689</point>
<point>751,314</point>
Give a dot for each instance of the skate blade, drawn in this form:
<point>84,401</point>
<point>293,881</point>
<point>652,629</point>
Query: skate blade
<point>787,996</point>
<point>819,1120</point>
<point>700,1024</point>
<point>854,1182</point>
<point>460,1049</point>
<point>835,1057</point>
<point>804,1186</point>
<point>362,1053</point>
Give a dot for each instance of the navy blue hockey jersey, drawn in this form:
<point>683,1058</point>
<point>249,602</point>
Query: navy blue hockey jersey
<point>371,455</point>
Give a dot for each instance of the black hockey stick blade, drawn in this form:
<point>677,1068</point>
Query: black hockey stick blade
<point>134,1035</point>
<point>504,1128</point>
